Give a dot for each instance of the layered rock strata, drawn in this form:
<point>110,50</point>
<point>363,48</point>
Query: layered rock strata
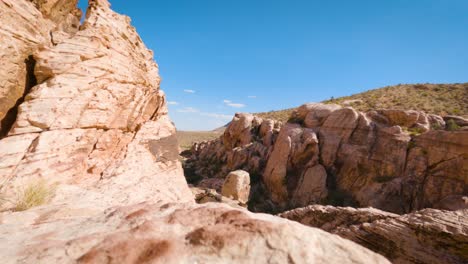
<point>92,123</point>
<point>427,236</point>
<point>395,160</point>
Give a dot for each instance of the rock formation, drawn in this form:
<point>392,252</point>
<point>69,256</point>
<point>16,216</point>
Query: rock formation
<point>395,160</point>
<point>237,186</point>
<point>85,114</point>
<point>427,236</point>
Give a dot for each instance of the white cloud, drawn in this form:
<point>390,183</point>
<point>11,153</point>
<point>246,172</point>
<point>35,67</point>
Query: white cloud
<point>236,105</point>
<point>172,103</point>
<point>189,91</point>
<point>188,110</point>
<point>252,96</point>
<point>231,104</point>
<point>217,116</point>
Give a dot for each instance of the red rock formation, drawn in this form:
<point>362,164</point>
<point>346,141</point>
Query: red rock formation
<point>427,236</point>
<point>95,126</point>
<point>394,160</point>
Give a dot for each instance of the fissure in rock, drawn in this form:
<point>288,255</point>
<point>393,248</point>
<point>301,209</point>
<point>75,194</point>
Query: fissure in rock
<point>30,82</point>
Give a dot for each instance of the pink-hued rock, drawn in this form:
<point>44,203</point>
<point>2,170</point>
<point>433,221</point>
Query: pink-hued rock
<point>245,145</point>
<point>24,29</point>
<point>97,120</point>
<point>294,161</point>
<point>395,160</point>
<point>237,186</point>
<point>169,233</point>
<point>95,129</point>
<point>427,236</point>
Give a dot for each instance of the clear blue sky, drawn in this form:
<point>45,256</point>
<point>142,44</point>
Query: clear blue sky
<point>285,53</point>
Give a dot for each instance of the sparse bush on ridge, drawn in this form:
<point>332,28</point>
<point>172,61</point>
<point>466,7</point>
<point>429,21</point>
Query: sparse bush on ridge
<point>34,194</point>
<point>452,125</point>
<point>439,99</point>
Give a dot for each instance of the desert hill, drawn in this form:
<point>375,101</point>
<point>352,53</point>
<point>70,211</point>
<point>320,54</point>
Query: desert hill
<point>438,99</point>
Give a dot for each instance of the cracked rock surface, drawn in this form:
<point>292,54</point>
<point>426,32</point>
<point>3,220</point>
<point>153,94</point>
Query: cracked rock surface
<point>426,236</point>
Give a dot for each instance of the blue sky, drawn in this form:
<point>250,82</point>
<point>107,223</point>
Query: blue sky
<point>221,57</point>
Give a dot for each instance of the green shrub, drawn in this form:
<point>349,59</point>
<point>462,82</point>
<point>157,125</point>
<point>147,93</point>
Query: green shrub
<point>452,125</point>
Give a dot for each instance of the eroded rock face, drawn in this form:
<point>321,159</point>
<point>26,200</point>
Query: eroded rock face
<point>171,233</point>
<point>24,29</point>
<point>97,120</point>
<point>427,236</point>
<point>395,160</point>
<point>95,126</point>
<point>245,145</point>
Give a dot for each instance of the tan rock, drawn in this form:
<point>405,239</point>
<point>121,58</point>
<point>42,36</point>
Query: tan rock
<point>170,233</point>
<point>96,124</point>
<point>311,188</point>
<point>237,186</point>
<point>427,236</point>
<point>294,153</point>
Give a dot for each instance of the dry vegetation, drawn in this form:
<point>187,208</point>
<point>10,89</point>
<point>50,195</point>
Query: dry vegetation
<point>188,138</point>
<point>440,99</point>
<point>34,194</point>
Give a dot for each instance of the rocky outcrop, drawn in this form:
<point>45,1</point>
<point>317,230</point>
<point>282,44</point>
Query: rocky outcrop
<point>293,167</point>
<point>245,145</point>
<point>94,127</point>
<point>427,236</point>
<point>96,120</point>
<point>24,29</point>
<point>170,233</point>
<point>395,160</point>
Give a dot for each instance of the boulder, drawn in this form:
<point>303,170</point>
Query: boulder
<point>427,236</point>
<point>294,156</point>
<point>237,186</point>
<point>169,233</point>
<point>460,121</point>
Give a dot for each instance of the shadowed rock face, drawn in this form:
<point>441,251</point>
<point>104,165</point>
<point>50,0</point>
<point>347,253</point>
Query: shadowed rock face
<point>395,160</point>
<point>427,236</point>
<point>95,126</point>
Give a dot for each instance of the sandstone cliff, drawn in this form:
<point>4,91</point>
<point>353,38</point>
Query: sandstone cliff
<point>85,114</point>
<point>395,160</point>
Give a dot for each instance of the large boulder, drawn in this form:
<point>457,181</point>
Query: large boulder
<point>169,233</point>
<point>294,164</point>
<point>427,236</point>
<point>237,186</point>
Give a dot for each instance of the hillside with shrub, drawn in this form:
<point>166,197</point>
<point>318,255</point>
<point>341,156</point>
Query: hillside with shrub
<point>439,99</point>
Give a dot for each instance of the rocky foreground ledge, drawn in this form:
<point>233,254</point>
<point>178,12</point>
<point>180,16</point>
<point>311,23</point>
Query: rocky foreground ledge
<point>426,236</point>
<point>82,111</point>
